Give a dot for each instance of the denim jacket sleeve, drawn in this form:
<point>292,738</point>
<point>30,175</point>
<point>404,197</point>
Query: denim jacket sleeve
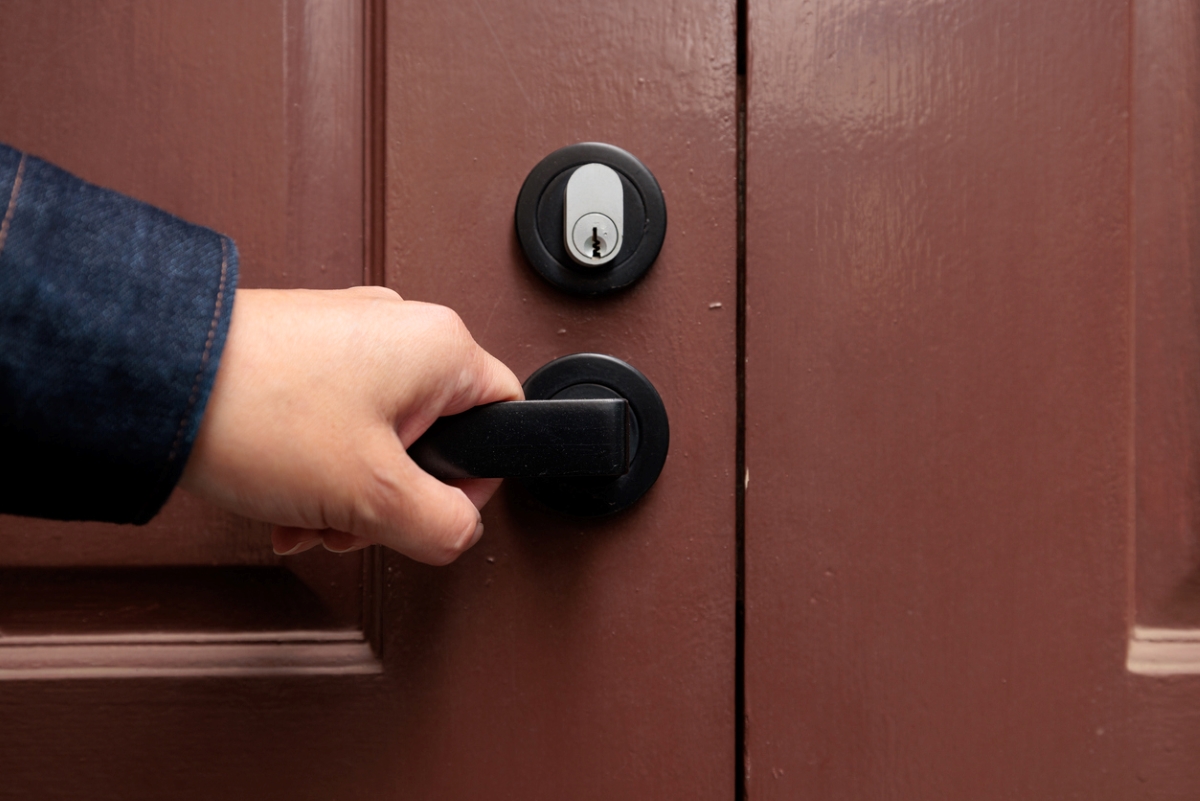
<point>113,316</point>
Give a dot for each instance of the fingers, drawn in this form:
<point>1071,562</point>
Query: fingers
<point>342,541</point>
<point>412,512</point>
<point>438,542</point>
<point>289,540</point>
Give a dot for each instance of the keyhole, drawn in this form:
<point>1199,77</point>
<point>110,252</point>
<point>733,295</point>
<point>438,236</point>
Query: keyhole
<point>593,241</point>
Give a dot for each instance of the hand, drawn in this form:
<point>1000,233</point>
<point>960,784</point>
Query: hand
<point>317,397</point>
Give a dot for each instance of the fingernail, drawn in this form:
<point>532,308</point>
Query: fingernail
<point>299,547</point>
<point>478,533</point>
<point>358,546</point>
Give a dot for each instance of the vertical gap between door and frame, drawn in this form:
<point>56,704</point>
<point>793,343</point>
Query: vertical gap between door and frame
<point>374,90</point>
<point>374,155</point>
<point>740,791</point>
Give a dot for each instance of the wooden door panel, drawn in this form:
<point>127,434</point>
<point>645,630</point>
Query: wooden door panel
<point>135,107</point>
<point>560,658</point>
<point>568,658</point>
<point>243,118</point>
<point>132,660</point>
<point>949,428</point>
<point>937,399</point>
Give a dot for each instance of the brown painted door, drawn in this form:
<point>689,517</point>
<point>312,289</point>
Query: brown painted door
<point>970,353</point>
<point>972,372</point>
<point>386,142</point>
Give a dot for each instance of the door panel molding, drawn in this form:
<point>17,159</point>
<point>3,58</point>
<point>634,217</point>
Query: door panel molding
<point>128,656</point>
<point>1163,652</point>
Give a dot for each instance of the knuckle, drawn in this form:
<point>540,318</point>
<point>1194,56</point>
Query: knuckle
<point>450,333</point>
<point>447,322</point>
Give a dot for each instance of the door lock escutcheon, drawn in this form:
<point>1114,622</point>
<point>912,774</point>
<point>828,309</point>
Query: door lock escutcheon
<point>591,438</point>
<point>591,219</point>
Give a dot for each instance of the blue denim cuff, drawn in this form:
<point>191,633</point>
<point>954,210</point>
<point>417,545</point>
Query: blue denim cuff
<point>113,316</point>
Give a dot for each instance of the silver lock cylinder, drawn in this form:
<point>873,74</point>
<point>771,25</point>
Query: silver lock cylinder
<point>594,215</point>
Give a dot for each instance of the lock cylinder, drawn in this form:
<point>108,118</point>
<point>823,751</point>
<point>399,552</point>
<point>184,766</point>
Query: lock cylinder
<point>593,215</point>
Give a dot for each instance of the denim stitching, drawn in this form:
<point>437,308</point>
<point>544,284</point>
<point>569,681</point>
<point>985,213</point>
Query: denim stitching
<point>12,203</point>
<point>212,334</point>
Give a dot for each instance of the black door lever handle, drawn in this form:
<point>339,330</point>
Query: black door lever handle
<point>591,440</point>
<point>529,439</point>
